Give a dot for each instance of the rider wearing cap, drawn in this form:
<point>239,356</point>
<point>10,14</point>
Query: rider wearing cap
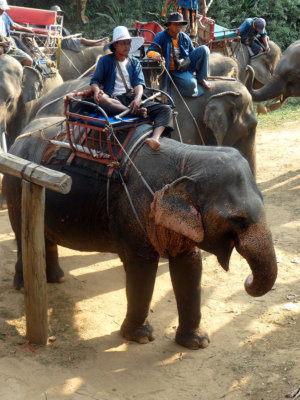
<point>118,83</point>
<point>173,46</point>
<point>253,33</point>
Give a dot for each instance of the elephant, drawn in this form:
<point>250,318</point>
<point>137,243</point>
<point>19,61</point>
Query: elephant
<point>224,114</point>
<point>284,83</point>
<point>73,64</point>
<point>264,64</point>
<point>221,65</point>
<point>20,88</point>
<point>196,198</point>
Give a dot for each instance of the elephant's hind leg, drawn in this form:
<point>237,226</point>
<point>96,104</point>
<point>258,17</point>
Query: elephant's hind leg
<point>54,273</point>
<point>140,278</point>
<point>185,270</point>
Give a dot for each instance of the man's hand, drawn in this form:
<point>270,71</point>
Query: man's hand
<point>135,104</point>
<point>4,45</point>
<point>158,58</point>
<point>97,95</point>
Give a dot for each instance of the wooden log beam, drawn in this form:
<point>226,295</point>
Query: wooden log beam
<point>42,176</point>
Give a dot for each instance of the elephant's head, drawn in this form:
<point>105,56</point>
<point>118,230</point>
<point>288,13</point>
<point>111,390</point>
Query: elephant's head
<point>285,82</point>
<point>217,209</point>
<point>18,86</point>
<point>230,119</point>
<point>264,64</point>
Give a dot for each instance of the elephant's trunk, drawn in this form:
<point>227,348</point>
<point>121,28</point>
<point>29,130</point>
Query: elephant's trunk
<point>255,245</point>
<point>273,88</point>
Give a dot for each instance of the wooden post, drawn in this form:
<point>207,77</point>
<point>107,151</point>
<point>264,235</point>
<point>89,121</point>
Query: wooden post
<point>35,179</point>
<point>34,264</point>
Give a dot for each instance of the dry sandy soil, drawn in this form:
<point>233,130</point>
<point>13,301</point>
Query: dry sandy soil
<point>255,342</point>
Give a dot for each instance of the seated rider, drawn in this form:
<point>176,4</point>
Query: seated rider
<point>73,43</point>
<point>173,45</point>
<point>253,34</point>
<point>121,77</point>
<point>7,43</point>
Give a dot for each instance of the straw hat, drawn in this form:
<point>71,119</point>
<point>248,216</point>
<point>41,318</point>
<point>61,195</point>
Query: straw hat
<point>121,33</point>
<point>3,5</point>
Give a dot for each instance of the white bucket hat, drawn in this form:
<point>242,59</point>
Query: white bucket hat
<point>121,33</point>
<point>3,5</point>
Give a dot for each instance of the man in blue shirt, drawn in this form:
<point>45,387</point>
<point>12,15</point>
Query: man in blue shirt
<point>118,83</point>
<point>253,33</point>
<point>173,45</point>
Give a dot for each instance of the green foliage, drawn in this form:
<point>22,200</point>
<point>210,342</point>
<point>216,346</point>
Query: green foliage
<point>290,111</point>
<point>282,16</point>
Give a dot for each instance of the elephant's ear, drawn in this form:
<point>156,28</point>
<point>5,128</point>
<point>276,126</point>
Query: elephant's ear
<point>32,84</point>
<point>220,112</point>
<point>172,208</point>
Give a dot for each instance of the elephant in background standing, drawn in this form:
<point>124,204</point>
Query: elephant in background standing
<point>221,65</point>
<point>73,64</point>
<point>264,64</point>
<point>202,198</point>
<point>285,81</point>
<point>20,87</point>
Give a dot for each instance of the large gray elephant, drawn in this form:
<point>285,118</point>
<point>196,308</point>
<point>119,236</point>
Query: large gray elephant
<point>200,198</point>
<point>20,87</point>
<point>73,64</point>
<point>285,81</point>
<point>224,114</point>
<point>264,64</point>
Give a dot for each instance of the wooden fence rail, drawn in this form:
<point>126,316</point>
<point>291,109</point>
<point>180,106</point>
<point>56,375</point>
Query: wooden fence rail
<point>35,178</point>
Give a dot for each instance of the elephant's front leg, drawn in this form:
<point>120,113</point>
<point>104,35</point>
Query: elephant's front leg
<point>185,270</point>
<point>140,278</point>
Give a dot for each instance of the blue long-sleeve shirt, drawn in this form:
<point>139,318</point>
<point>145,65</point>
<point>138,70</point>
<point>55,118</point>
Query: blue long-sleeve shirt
<point>247,29</point>
<point>190,4</point>
<point>8,22</point>
<point>106,71</point>
<point>164,47</point>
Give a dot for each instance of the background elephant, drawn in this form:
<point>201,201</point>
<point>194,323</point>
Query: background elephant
<point>221,65</point>
<point>285,82</point>
<point>203,198</point>
<point>264,64</point>
<point>20,88</point>
<point>73,64</point>
<point>224,114</point>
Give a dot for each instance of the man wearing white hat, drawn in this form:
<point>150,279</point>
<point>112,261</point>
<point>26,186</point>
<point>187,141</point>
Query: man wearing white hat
<point>7,44</point>
<point>118,83</point>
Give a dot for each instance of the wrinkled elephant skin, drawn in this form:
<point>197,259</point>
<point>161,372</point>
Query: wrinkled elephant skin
<point>204,198</point>
<point>73,64</point>
<point>20,88</point>
<point>285,81</point>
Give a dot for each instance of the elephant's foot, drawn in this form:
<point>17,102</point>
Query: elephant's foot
<point>19,282</point>
<point>55,274</point>
<point>141,334</point>
<point>194,340</point>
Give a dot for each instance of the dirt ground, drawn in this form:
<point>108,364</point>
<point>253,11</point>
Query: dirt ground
<point>255,342</point>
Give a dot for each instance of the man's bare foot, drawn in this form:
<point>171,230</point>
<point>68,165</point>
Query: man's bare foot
<point>103,41</point>
<point>205,84</point>
<point>141,112</point>
<point>153,143</point>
